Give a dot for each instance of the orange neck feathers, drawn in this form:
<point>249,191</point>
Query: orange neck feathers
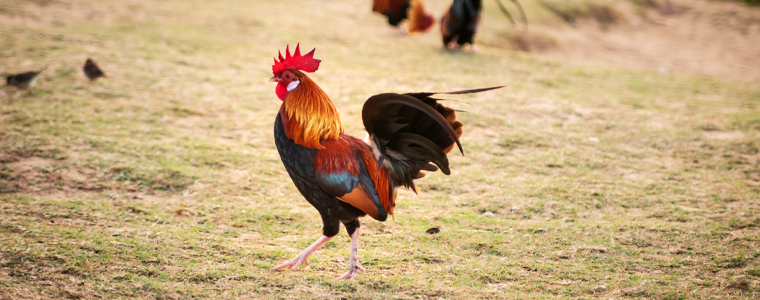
<point>419,19</point>
<point>379,6</point>
<point>309,115</point>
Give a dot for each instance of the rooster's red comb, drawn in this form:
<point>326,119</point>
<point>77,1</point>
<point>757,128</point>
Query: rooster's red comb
<point>306,63</point>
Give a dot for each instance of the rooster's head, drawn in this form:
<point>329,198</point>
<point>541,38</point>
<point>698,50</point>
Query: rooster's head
<point>286,70</point>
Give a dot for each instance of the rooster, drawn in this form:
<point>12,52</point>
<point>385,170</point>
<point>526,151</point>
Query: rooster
<point>398,10</point>
<point>460,22</point>
<point>344,177</point>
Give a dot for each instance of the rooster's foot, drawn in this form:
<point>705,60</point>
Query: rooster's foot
<point>352,270</point>
<point>303,256</point>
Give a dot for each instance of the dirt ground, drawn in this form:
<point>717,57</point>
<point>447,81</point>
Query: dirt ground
<point>695,37</point>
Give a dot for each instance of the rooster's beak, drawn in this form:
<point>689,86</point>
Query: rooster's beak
<point>274,79</point>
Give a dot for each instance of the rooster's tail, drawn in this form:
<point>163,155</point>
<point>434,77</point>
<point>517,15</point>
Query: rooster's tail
<point>411,133</point>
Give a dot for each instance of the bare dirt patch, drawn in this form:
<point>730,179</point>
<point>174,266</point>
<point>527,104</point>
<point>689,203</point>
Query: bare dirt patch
<point>41,175</point>
<point>714,38</point>
<point>723,135</point>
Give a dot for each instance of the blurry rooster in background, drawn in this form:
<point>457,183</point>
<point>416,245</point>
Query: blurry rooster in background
<point>398,10</point>
<point>460,22</point>
<point>343,177</point>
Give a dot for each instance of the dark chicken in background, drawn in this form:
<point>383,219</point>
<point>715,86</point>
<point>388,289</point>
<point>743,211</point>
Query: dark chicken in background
<point>399,10</point>
<point>343,177</point>
<point>23,80</point>
<point>460,22</point>
<point>92,71</point>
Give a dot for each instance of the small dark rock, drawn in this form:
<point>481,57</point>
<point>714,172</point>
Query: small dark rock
<point>433,230</point>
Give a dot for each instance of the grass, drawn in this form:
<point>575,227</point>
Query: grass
<point>163,182</point>
<point>603,12</point>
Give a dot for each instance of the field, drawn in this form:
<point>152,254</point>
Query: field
<point>586,176</point>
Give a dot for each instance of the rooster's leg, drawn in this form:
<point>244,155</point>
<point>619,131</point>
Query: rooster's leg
<point>452,46</point>
<point>353,260</point>
<point>303,256</point>
<point>402,31</point>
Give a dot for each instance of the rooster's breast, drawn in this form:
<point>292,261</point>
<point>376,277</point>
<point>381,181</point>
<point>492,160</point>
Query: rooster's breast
<point>298,161</point>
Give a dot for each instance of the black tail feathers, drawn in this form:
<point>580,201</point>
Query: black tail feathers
<point>414,132</point>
